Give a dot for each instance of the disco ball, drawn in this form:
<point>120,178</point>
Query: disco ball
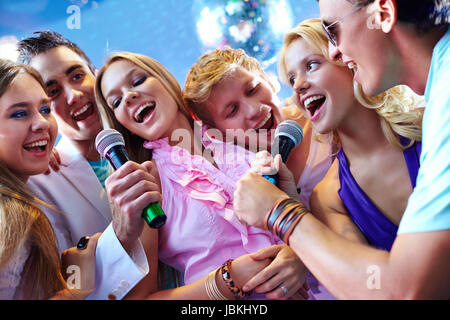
<point>257,26</point>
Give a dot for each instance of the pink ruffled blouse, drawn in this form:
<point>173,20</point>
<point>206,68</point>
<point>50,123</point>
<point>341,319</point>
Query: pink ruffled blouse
<point>201,231</point>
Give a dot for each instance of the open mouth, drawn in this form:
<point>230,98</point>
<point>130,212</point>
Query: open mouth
<point>144,112</point>
<point>267,123</point>
<point>353,67</point>
<point>37,146</point>
<point>83,113</point>
<point>313,104</point>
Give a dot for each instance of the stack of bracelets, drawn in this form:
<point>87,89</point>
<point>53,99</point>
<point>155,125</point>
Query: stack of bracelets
<point>284,216</point>
<point>281,220</point>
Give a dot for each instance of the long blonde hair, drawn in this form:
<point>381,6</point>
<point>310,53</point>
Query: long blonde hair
<point>155,69</point>
<point>23,222</point>
<point>133,142</point>
<point>210,69</point>
<point>395,107</point>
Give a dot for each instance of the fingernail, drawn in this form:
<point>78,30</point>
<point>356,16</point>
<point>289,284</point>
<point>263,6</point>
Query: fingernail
<point>245,288</point>
<point>82,244</point>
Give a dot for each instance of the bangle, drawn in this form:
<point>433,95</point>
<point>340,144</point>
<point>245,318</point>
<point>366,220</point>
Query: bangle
<point>284,217</point>
<point>226,276</point>
<point>286,211</point>
<point>212,290</point>
<point>274,213</point>
<point>295,221</point>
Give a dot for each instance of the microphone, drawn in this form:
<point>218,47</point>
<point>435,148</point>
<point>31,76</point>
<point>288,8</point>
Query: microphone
<point>111,145</point>
<point>288,135</point>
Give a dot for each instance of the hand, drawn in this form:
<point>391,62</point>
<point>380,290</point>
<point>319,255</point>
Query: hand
<point>54,162</point>
<point>302,293</point>
<point>286,270</point>
<point>130,189</point>
<point>254,197</point>
<point>245,267</point>
<point>78,268</point>
<point>265,164</point>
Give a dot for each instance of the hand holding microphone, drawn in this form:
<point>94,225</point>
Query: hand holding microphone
<point>254,196</point>
<point>265,165</point>
<point>131,187</point>
<point>288,135</point>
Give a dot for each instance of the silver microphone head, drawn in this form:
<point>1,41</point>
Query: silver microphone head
<point>290,129</point>
<point>106,139</point>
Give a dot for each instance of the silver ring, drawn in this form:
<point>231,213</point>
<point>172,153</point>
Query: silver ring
<point>285,290</point>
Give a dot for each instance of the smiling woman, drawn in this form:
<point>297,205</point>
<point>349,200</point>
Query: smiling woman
<point>373,135</point>
<point>140,98</point>
<point>29,259</point>
<point>26,122</point>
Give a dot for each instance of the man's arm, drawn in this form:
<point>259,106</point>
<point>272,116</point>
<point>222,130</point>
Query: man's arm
<point>418,266</point>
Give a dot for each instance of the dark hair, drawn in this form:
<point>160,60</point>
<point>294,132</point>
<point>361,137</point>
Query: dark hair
<point>45,40</point>
<point>424,14</point>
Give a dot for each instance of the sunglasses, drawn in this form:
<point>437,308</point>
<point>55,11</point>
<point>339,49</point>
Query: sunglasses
<point>329,28</point>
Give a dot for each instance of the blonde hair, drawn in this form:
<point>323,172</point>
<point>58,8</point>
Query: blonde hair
<point>23,222</point>
<point>155,69</point>
<point>210,69</point>
<point>395,107</point>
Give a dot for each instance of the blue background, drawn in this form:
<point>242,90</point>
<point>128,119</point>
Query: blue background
<point>162,29</point>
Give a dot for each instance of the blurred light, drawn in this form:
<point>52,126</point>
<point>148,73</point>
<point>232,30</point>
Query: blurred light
<point>257,26</point>
<point>208,26</point>
<point>8,48</point>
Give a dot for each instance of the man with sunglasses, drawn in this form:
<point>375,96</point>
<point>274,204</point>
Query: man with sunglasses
<point>407,42</point>
<point>386,43</point>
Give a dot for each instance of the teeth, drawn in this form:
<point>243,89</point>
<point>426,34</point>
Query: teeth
<point>142,108</point>
<point>76,114</point>
<point>351,65</point>
<point>311,99</point>
<point>41,143</point>
<point>269,115</point>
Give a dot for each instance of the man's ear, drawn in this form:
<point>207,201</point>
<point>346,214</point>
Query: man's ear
<point>385,14</point>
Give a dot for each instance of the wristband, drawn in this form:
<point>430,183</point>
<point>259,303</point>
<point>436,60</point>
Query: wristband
<point>274,213</point>
<point>284,217</point>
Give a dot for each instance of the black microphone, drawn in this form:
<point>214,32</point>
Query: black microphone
<point>111,145</point>
<point>288,135</point>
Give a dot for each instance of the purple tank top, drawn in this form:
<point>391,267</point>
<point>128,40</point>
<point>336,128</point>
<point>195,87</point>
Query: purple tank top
<point>379,231</point>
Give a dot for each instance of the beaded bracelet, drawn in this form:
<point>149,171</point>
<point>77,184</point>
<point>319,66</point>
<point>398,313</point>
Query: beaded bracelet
<point>226,276</point>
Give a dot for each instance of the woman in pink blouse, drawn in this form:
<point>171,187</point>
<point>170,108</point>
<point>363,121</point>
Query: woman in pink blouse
<point>142,100</point>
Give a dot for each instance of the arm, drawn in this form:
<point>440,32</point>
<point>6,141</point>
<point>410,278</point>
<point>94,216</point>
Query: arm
<point>415,267</point>
<point>243,268</point>
<point>121,259</point>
